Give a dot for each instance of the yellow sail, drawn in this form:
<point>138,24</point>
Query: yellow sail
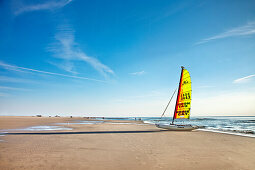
<point>182,108</point>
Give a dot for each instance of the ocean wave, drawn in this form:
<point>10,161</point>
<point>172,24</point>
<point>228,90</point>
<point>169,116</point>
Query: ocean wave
<point>246,121</point>
<point>230,125</point>
<point>202,119</point>
<point>232,130</point>
<point>228,132</point>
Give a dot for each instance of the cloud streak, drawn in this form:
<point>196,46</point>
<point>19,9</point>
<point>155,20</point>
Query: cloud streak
<point>66,48</point>
<point>15,80</point>
<point>138,73</point>
<point>248,29</point>
<point>17,68</point>
<point>12,88</point>
<point>49,5</point>
<point>3,94</point>
<point>244,79</point>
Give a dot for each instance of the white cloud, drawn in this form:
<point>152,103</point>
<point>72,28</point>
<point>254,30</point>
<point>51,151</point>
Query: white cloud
<point>247,29</point>
<point>244,79</point>
<point>48,5</point>
<point>138,73</point>
<point>17,68</point>
<point>68,50</point>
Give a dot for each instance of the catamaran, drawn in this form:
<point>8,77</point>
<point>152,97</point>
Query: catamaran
<point>182,106</point>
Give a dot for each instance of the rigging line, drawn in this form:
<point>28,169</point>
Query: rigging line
<point>167,105</point>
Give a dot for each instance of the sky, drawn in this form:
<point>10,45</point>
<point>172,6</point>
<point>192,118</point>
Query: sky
<point>123,58</point>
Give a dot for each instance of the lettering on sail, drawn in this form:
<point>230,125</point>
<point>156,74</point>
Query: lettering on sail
<point>185,82</point>
<point>183,112</point>
<point>185,104</point>
<point>185,96</point>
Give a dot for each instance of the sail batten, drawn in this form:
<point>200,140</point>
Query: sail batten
<point>183,102</point>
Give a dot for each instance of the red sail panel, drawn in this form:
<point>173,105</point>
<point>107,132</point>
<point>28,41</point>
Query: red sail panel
<point>178,95</point>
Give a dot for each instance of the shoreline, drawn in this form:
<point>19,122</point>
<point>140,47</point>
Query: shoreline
<point>61,121</point>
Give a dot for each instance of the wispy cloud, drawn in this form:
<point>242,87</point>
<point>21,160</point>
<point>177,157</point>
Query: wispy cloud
<point>16,80</point>
<point>66,65</point>
<point>17,68</point>
<point>138,73</point>
<point>4,94</point>
<point>244,79</point>
<point>66,48</point>
<point>247,29</point>
<point>48,5</point>
<point>12,88</point>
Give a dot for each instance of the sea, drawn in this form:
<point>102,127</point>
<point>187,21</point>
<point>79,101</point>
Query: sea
<point>233,125</point>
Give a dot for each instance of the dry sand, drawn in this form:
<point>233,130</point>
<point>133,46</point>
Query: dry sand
<point>120,146</point>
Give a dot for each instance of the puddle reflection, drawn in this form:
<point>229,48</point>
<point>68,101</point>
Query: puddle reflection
<point>36,128</point>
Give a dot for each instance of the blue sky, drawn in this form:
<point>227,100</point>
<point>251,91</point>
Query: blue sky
<point>123,58</point>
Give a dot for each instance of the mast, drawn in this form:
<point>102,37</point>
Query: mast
<point>178,95</point>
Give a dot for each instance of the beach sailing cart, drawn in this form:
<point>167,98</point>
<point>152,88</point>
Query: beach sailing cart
<point>182,106</point>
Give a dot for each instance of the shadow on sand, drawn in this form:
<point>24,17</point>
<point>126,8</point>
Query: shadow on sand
<point>91,132</point>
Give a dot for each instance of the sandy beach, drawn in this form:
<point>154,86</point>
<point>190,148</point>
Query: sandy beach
<point>119,145</point>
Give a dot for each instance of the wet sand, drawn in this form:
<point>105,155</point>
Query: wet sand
<point>119,146</point>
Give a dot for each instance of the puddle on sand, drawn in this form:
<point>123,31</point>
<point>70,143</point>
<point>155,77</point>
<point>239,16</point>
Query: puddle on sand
<point>125,123</point>
<point>98,122</point>
<point>37,128</point>
<point>1,139</point>
<point>81,123</point>
<point>120,123</point>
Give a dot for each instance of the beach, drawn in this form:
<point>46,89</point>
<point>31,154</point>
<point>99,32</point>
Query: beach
<point>117,144</point>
